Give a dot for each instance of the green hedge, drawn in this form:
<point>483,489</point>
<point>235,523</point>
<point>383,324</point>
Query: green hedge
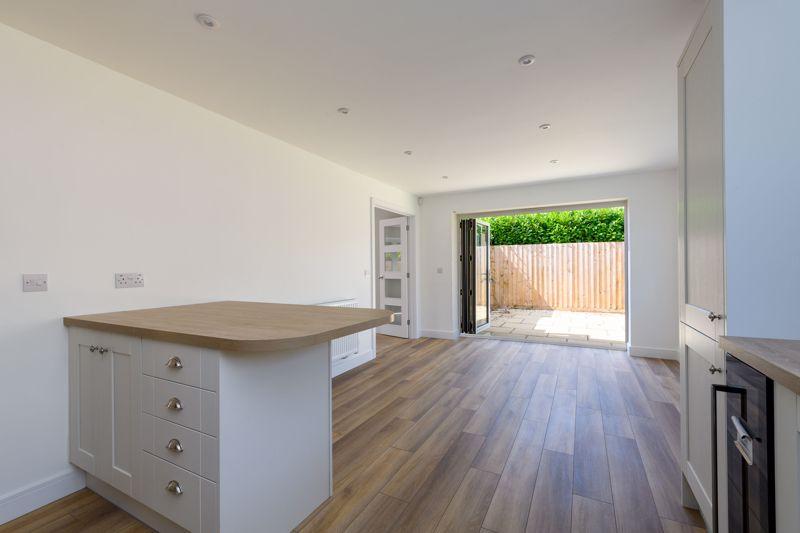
<point>587,225</point>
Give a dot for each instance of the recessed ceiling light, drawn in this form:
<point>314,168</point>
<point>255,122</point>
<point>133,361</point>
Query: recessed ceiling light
<point>444,177</point>
<point>545,126</point>
<point>554,161</point>
<point>408,152</point>
<point>527,60</point>
<point>343,110</point>
<point>207,21</point>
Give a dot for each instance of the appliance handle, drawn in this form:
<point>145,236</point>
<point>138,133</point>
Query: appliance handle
<point>743,442</point>
<point>714,477</point>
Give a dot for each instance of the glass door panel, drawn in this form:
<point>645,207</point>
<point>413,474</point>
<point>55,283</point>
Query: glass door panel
<point>482,275</point>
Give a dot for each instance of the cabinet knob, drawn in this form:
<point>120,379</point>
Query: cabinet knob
<point>175,445</point>
<point>712,316</point>
<point>174,362</point>
<point>93,348</point>
<point>174,487</point>
<point>714,369</point>
<point>102,350</point>
<point>174,404</point>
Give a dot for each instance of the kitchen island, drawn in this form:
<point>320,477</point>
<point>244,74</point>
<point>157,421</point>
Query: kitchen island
<point>208,417</point>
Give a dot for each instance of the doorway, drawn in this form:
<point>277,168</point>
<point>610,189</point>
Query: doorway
<point>554,275</point>
<point>393,266</point>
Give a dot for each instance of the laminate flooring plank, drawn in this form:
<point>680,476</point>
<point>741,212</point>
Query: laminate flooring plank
<point>591,477</point>
<point>561,425</point>
<point>380,515</point>
<point>466,510</point>
<point>494,453</point>
<point>592,516</point>
<point>634,507</point>
<point>551,507</point>
<point>663,472</point>
<point>508,512</point>
<point>430,501</point>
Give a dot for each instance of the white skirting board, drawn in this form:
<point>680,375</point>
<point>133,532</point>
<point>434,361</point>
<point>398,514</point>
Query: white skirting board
<point>439,334</point>
<point>656,353</point>
<point>343,365</point>
<point>26,499</point>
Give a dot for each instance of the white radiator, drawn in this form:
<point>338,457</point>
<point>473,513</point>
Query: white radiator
<point>343,347</point>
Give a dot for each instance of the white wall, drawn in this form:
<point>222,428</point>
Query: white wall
<point>651,234</point>
<point>102,174</point>
<point>762,168</point>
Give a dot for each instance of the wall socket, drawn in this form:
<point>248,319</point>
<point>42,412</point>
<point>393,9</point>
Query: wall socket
<point>34,282</point>
<point>128,280</point>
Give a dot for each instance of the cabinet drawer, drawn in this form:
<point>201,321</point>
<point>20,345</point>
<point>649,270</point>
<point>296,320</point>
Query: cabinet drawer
<point>199,409</point>
<point>705,347</point>
<point>189,365</point>
<point>199,452</point>
<point>194,508</point>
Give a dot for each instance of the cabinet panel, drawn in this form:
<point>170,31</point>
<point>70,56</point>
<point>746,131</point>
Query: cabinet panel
<point>86,424</point>
<point>700,354</point>
<point>702,170</point>
<point>104,405</point>
<point>125,360</point>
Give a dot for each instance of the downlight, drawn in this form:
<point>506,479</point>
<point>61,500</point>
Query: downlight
<point>207,21</point>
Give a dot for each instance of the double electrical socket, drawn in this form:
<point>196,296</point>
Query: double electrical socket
<point>128,280</point>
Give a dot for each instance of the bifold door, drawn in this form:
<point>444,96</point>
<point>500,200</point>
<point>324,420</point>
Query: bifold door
<point>475,289</point>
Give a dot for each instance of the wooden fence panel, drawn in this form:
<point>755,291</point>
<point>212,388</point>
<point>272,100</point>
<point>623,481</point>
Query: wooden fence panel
<point>584,276</point>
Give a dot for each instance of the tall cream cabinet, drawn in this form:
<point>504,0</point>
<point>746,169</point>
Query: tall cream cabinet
<point>701,250</point>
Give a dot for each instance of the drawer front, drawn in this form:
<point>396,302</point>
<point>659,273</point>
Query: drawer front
<point>158,476</point>
<point>189,449</point>
<point>189,365</point>
<point>705,347</point>
<point>187,406</point>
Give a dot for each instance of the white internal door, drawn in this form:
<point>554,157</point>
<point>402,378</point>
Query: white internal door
<point>393,274</point>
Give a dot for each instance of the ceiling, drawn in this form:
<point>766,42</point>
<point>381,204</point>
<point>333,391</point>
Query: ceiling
<point>440,78</point>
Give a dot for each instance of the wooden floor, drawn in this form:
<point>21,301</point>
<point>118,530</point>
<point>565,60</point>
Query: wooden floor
<point>498,436</point>
<point>82,511</point>
<point>484,436</point>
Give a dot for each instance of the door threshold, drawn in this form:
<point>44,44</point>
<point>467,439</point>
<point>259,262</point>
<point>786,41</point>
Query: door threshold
<point>544,340</point>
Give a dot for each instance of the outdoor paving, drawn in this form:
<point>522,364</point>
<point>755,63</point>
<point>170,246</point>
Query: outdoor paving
<point>601,329</point>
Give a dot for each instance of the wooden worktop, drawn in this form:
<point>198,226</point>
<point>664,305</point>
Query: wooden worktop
<point>776,358</point>
<point>238,326</point>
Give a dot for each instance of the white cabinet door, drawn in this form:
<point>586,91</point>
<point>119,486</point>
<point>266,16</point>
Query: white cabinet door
<point>393,274</point>
<point>701,176</point>
<point>86,422</point>
<point>104,405</point>
<point>703,366</point>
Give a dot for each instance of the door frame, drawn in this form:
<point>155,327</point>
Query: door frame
<point>593,204</point>
<point>413,264</point>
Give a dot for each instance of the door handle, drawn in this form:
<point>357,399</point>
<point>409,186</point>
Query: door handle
<point>712,316</point>
<point>714,369</point>
<point>380,277</point>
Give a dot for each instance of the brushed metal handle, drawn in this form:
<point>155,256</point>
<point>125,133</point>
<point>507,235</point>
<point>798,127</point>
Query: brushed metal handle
<point>714,369</point>
<point>175,446</point>
<point>174,404</point>
<point>712,316</point>
<point>743,441</point>
<point>174,487</point>
<point>174,362</point>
